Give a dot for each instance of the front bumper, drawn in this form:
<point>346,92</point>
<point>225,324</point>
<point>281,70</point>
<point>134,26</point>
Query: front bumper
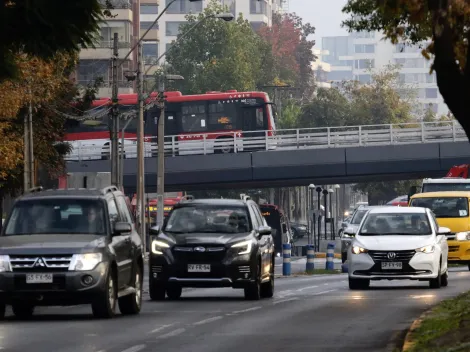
<point>421,266</point>
<point>67,287</point>
<point>459,252</point>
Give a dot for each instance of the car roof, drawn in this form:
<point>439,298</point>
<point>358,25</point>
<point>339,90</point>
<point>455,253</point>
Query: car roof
<point>67,193</point>
<point>397,210</point>
<point>442,194</point>
<point>215,201</point>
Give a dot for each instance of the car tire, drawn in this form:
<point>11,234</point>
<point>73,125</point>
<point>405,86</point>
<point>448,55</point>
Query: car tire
<point>267,288</point>
<point>174,292</point>
<point>132,304</point>
<point>104,306</point>
<point>253,291</point>
<point>445,279</point>
<point>358,284</point>
<point>157,292</point>
<point>22,310</point>
<point>436,283</point>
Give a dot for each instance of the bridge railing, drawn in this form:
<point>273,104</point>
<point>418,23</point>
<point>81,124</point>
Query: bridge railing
<point>287,139</point>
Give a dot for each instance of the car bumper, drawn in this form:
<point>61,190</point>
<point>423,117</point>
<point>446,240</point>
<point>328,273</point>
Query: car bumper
<point>459,252</point>
<point>421,267</point>
<point>238,274</point>
<point>66,287</point>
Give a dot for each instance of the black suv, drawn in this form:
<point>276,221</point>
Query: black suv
<point>212,243</point>
<point>68,247</point>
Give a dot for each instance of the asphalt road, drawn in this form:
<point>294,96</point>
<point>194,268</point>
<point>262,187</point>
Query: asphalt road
<point>307,314</point>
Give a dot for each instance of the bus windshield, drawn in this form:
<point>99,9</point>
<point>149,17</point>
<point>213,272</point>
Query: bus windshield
<point>445,187</point>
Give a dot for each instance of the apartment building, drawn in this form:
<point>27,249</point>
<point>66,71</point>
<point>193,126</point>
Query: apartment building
<point>321,69</point>
<point>258,12</point>
<point>351,57</point>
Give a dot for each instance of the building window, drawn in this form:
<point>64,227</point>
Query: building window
<point>147,9</point>
<point>364,64</point>
<point>173,28</point>
<point>364,48</point>
<point>258,7</point>
<point>339,76</point>
<point>431,93</point>
<point>363,78</point>
<point>257,25</point>
<point>147,24</point>
<point>89,70</point>
<point>150,53</point>
<point>184,6</point>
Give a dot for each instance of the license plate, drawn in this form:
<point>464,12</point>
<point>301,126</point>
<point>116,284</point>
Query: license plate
<point>391,265</point>
<point>38,278</point>
<point>199,268</point>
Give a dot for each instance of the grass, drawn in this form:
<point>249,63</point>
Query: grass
<point>445,328</point>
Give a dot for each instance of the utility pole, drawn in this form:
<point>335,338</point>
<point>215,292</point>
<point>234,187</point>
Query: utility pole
<point>161,153</point>
<point>115,115</point>
<point>28,155</point>
<point>140,151</point>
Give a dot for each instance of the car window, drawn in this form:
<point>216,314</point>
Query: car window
<point>377,224</point>
<point>444,207</point>
<point>56,216</point>
<point>113,211</point>
<point>257,215</point>
<point>121,202</point>
<point>358,215</point>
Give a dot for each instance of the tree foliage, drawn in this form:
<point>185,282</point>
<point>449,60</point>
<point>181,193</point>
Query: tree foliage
<point>445,24</point>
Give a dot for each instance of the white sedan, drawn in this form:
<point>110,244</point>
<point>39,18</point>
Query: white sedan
<point>398,243</point>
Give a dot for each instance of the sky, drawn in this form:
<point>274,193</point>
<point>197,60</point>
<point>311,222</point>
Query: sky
<point>324,15</point>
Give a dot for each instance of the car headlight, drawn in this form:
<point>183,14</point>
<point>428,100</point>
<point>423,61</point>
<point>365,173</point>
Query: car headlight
<point>5,263</point>
<point>358,250</point>
<point>427,249</point>
<point>85,262</point>
<point>158,246</point>
<point>347,235</point>
<point>302,228</point>
<point>462,236</point>
<point>245,247</point>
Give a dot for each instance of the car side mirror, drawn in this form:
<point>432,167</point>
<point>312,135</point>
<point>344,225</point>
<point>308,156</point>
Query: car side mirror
<point>121,228</point>
<point>264,230</point>
<point>154,231</point>
<point>350,232</point>
<point>443,231</point>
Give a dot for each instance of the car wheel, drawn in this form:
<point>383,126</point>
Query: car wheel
<point>358,284</point>
<point>253,291</point>
<point>22,310</point>
<point>157,292</point>
<point>267,288</point>
<point>131,304</point>
<point>436,283</point>
<point>104,306</point>
<point>174,292</point>
<point>445,279</point>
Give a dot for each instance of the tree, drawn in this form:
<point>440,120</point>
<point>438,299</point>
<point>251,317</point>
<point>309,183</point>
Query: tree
<point>46,28</point>
<point>446,24</point>
<point>216,55</point>
<point>382,192</point>
<point>291,51</point>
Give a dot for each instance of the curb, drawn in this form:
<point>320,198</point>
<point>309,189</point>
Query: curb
<point>408,342</point>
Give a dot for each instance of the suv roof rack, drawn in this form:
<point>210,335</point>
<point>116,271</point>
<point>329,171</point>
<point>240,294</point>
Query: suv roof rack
<point>244,197</point>
<point>109,189</point>
<point>187,197</point>
<point>35,189</point>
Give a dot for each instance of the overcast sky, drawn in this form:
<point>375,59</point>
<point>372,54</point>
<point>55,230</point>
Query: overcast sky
<point>324,15</point>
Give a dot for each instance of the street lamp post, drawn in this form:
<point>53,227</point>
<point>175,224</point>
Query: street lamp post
<point>319,190</point>
<point>311,215</point>
<point>325,196</point>
<point>331,218</point>
<point>337,216</point>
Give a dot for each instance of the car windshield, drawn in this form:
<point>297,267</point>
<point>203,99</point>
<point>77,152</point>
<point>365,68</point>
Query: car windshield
<point>56,216</point>
<point>208,219</point>
<point>357,217</point>
<point>444,207</point>
<point>413,224</point>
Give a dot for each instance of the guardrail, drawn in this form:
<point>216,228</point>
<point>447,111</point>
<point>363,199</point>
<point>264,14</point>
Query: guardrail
<point>289,139</point>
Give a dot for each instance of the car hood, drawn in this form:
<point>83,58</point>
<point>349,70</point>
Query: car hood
<point>203,238</point>
<point>393,243</point>
<point>50,244</point>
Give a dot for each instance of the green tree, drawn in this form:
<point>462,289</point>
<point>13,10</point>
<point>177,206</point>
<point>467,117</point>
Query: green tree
<point>47,26</point>
<point>445,24</point>
<point>429,115</point>
<point>382,192</point>
<point>216,55</point>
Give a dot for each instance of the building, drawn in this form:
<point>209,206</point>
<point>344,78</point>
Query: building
<point>96,63</point>
<point>351,57</point>
<point>321,69</point>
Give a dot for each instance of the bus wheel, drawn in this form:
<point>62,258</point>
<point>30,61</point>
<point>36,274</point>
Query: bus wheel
<point>224,145</point>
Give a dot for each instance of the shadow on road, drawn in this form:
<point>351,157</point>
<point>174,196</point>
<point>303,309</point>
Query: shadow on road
<point>203,299</point>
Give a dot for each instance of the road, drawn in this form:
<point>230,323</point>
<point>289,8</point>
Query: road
<point>307,313</point>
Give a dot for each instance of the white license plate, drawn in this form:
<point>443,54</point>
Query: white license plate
<point>199,268</point>
<point>38,278</point>
<point>391,265</point>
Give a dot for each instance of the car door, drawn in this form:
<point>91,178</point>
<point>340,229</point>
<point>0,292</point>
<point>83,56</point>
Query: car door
<point>443,243</point>
<point>262,241</point>
<point>136,242</point>
<point>120,245</point>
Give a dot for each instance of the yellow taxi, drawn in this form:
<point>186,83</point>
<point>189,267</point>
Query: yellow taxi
<point>451,210</point>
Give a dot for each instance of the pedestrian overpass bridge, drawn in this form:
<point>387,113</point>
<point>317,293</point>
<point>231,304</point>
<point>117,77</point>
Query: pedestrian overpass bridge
<point>294,157</point>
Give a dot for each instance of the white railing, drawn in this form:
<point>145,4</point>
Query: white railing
<point>291,139</point>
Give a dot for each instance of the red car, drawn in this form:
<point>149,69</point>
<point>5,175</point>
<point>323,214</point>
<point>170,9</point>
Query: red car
<point>401,201</point>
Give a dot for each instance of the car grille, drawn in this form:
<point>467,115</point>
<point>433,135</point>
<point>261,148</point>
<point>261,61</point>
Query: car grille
<point>191,255</point>
<point>400,256</point>
<point>454,248</point>
<point>58,283</point>
<point>43,263</point>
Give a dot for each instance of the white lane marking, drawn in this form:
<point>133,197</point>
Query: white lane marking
<point>325,284</point>
<point>320,293</point>
<point>344,280</point>
<point>246,310</point>
<point>285,300</point>
<point>160,328</point>
<point>208,320</point>
<point>135,348</point>
<point>306,288</point>
<point>172,333</point>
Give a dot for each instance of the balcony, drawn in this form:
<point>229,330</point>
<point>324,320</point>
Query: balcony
<point>152,2</point>
<point>103,50</point>
<point>153,34</point>
<point>117,4</point>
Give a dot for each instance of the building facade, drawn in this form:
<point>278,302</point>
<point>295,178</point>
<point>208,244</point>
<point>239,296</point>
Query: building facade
<point>351,57</point>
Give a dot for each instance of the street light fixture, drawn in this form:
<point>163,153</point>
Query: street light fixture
<point>336,188</point>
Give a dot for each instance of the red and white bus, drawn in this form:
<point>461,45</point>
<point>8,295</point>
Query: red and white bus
<point>215,122</point>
